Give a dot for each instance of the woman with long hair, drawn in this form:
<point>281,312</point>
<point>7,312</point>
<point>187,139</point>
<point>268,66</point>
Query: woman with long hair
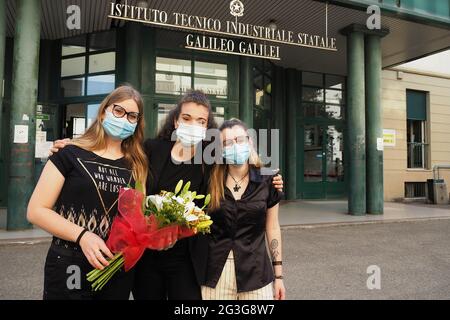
<point>177,273</point>
<point>178,154</point>
<point>76,197</point>
<point>244,208</point>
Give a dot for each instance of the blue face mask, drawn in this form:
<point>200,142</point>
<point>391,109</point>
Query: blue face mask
<point>118,128</point>
<point>236,154</point>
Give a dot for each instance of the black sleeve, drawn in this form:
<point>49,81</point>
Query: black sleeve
<point>204,187</point>
<point>63,160</point>
<point>148,147</point>
<point>275,196</point>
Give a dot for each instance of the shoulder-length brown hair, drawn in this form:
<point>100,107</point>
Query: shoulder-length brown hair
<point>217,179</point>
<point>95,137</point>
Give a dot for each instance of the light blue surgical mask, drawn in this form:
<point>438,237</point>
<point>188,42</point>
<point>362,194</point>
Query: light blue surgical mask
<point>236,154</point>
<point>118,128</point>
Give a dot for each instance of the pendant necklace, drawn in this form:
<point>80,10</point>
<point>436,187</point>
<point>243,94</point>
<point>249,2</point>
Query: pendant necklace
<point>237,185</point>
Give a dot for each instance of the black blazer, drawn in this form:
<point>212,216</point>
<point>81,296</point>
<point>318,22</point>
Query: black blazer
<point>158,153</point>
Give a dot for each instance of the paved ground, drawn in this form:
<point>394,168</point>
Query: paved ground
<point>320,262</point>
<point>305,212</point>
<point>300,212</point>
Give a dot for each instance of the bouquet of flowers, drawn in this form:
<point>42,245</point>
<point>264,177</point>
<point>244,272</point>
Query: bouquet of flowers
<point>153,222</point>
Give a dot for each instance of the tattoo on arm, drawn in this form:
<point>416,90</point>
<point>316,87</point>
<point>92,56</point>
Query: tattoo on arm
<point>274,249</point>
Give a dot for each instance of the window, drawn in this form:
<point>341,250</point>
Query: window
<point>165,108</point>
<point>417,129</point>
<point>78,118</point>
<point>88,64</point>
<point>414,190</point>
<point>323,96</point>
<point>177,76</point>
<point>262,85</point>
<point>174,77</point>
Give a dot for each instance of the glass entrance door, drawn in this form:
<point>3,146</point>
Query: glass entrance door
<point>323,162</point>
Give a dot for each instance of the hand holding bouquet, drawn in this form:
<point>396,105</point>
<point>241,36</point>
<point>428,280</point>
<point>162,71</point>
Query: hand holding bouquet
<point>155,222</point>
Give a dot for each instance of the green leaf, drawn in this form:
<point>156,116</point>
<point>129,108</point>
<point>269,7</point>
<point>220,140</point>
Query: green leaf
<point>207,201</point>
<point>200,196</point>
<point>139,187</point>
<point>186,187</point>
<point>178,187</point>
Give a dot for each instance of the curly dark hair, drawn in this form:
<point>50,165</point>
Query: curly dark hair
<point>196,96</point>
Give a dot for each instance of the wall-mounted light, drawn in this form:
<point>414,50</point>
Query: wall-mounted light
<point>272,25</point>
<point>142,4</point>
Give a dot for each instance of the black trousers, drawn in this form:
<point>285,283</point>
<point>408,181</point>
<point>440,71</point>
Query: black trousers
<point>161,275</point>
<point>65,278</point>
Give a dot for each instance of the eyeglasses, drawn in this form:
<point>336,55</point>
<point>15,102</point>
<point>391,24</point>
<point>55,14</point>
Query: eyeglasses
<point>120,112</point>
<point>239,140</point>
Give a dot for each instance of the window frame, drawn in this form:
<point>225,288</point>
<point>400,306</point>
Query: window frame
<point>425,132</point>
<point>87,54</point>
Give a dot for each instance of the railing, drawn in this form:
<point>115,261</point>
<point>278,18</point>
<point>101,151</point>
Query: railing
<point>414,190</point>
<point>436,169</point>
<point>417,155</point>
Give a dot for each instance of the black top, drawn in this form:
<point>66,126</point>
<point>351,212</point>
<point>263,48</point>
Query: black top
<point>164,175</point>
<point>240,225</point>
<point>175,171</point>
<point>89,195</point>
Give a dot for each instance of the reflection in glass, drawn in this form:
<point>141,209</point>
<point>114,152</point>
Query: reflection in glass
<point>102,62</point>
<point>317,110</point>
<point>92,110</point>
<point>334,112</point>
<point>75,120</point>
<point>211,69</point>
<point>73,66</point>
<point>257,79</point>
<point>101,84</point>
<point>216,87</point>
<point>219,115</point>
<point>74,45</point>
<point>73,87</point>
<point>312,110</point>
<point>173,65</point>
<point>334,96</point>
<point>172,84</point>
<point>312,94</point>
<point>163,111</point>
<point>165,108</point>
<point>335,154</point>
<point>79,127</point>
<point>313,153</point>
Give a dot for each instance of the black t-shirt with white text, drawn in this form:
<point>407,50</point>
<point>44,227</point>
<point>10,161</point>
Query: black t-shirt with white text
<point>90,192</point>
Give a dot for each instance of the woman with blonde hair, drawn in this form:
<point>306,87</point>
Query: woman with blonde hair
<point>76,197</point>
<point>244,208</point>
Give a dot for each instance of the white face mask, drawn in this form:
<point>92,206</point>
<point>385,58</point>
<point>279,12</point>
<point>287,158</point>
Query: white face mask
<point>190,135</point>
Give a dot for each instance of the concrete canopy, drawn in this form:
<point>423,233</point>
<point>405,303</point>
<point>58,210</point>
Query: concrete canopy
<point>407,40</point>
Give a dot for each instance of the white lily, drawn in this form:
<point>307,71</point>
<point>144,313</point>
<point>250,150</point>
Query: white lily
<point>156,200</point>
<point>178,199</point>
<point>191,217</point>
<point>189,207</point>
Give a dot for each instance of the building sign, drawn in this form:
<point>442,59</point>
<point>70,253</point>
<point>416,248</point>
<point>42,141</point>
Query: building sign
<point>223,36</point>
<point>389,137</point>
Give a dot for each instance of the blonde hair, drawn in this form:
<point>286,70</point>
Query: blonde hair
<point>95,137</point>
<point>217,178</point>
